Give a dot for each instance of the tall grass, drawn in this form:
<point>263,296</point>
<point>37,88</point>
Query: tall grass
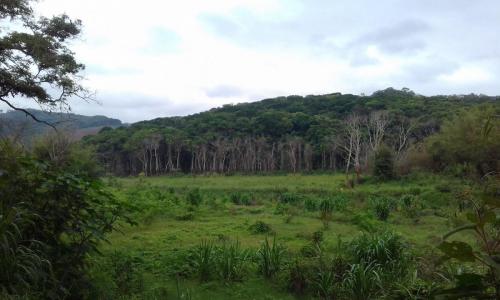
<point>230,261</point>
<point>271,257</point>
<point>204,260</point>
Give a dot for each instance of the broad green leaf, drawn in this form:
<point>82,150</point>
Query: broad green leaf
<point>458,250</point>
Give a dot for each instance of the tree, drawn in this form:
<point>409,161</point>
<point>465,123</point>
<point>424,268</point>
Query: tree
<point>35,61</point>
<point>384,164</point>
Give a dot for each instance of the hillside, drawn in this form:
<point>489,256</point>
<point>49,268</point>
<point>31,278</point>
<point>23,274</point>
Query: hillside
<point>290,134</point>
<point>17,123</point>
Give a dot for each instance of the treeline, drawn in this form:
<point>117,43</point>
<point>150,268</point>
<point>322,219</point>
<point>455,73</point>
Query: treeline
<point>292,134</point>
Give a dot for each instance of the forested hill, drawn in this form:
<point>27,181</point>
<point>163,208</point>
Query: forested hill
<point>17,123</point>
<point>291,133</point>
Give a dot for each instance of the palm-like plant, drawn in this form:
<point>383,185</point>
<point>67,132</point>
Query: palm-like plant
<point>271,257</point>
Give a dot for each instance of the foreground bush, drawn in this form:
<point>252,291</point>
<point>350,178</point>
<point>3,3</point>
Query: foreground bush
<point>51,217</point>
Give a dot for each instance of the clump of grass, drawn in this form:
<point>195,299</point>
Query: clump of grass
<point>289,198</point>
<point>382,207</point>
<point>239,198</point>
<point>203,260</point>
<point>231,261</point>
<point>311,204</point>
<point>326,209</point>
<point>260,227</point>
<point>271,258</point>
<point>408,205</point>
<point>194,197</point>
<point>362,281</point>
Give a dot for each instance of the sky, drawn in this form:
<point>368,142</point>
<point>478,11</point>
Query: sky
<point>156,58</point>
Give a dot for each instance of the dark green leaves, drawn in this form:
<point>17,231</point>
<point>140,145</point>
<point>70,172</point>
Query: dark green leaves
<point>458,250</point>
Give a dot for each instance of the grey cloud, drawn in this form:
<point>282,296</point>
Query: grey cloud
<point>224,91</point>
<point>402,37</point>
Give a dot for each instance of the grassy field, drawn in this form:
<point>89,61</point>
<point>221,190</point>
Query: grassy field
<point>175,214</point>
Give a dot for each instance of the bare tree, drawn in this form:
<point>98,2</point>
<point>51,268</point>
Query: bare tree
<point>352,144</point>
<point>376,125</point>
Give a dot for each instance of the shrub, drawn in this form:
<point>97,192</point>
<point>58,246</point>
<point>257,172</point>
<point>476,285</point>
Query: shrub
<point>260,227</point>
<point>383,168</point>
<point>270,258</point>
<point>194,197</point>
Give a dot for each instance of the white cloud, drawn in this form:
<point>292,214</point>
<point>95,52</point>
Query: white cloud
<point>158,58</point>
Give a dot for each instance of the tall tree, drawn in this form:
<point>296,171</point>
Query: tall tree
<point>36,64</point>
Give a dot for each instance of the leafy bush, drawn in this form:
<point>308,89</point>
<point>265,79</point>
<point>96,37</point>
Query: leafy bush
<point>383,168</point>
<point>51,217</point>
<point>270,258</point>
<point>260,227</point>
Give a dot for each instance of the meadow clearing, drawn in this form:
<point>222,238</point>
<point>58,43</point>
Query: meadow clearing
<point>183,220</point>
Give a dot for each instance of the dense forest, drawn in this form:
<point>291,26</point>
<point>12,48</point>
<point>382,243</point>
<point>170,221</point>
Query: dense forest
<point>292,134</point>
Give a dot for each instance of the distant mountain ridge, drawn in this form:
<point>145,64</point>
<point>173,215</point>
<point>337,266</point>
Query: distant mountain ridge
<point>17,123</point>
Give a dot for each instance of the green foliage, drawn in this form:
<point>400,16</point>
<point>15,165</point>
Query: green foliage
<point>383,168</point>
<point>203,260</point>
<point>231,261</point>
<point>484,223</point>
<point>408,205</point>
<point>471,139</point>
<point>260,227</point>
<point>362,281</point>
<point>194,197</point>
<point>43,43</point>
<point>289,198</point>
<point>365,222</point>
<point>326,207</point>
<point>239,198</point>
<point>271,258</point>
<point>52,218</point>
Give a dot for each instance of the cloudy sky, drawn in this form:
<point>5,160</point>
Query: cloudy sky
<point>154,58</point>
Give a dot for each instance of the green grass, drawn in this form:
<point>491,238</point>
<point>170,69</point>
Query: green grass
<point>162,240</point>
